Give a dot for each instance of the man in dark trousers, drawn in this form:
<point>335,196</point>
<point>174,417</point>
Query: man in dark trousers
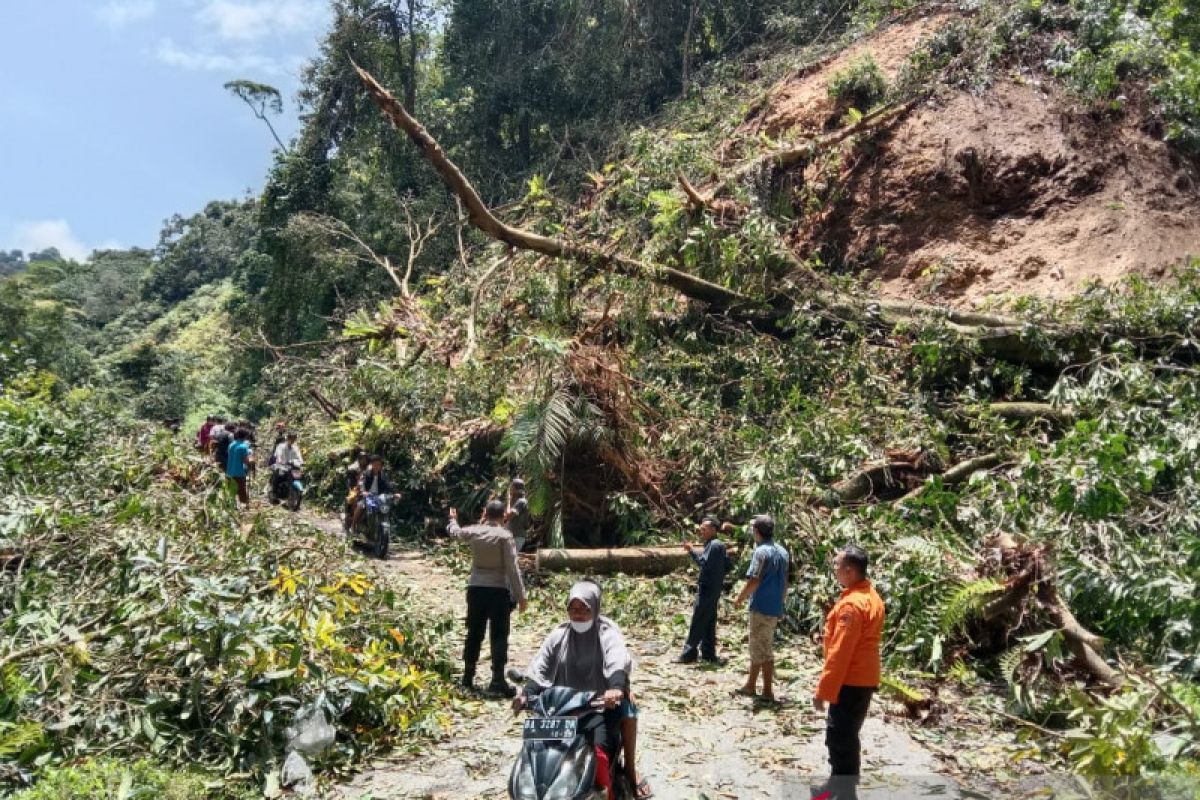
<point>853,630</point>
<point>494,587</point>
<point>714,565</point>
<point>517,518</point>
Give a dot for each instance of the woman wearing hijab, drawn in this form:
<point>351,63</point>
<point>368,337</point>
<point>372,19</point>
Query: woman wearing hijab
<point>588,654</point>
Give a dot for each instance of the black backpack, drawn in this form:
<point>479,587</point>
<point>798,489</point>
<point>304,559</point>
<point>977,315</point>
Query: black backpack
<point>222,449</point>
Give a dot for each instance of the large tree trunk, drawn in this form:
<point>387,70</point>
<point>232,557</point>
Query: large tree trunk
<point>630,560</point>
<point>717,297</point>
<point>1001,338</point>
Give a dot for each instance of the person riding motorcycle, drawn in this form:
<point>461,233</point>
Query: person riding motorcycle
<point>354,473</point>
<point>588,654</point>
<point>286,455</point>
<point>373,481</point>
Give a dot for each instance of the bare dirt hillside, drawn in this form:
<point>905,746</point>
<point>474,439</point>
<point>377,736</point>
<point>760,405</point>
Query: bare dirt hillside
<point>1006,191</point>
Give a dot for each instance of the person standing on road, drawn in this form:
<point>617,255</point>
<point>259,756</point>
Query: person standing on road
<point>767,582</point>
<point>237,465</point>
<point>714,564</point>
<point>493,589</point>
<point>517,517</point>
<point>853,631</point>
<point>219,438</point>
<point>204,432</point>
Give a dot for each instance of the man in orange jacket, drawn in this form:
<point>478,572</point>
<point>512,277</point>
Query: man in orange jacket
<point>853,631</point>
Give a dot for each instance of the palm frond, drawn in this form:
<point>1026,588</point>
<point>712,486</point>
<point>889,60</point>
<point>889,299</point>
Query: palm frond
<point>540,432</point>
<point>554,535</point>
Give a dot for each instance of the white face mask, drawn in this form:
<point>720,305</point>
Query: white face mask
<point>582,627</point>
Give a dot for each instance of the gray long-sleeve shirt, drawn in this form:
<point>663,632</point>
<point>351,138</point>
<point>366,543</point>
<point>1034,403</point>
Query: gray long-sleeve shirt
<point>494,562</point>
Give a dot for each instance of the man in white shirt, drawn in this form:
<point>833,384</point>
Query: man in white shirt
<point>286,452</point>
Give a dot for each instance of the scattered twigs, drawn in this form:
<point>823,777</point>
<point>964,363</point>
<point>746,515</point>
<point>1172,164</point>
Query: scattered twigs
<point>334,227</point>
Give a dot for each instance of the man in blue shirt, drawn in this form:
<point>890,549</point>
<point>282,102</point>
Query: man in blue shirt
<point>767,582</point>
<point>238,462</point>
<point>714,564</point>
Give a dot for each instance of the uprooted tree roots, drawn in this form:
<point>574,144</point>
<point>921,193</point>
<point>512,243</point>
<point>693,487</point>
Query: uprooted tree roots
<point>1029,589</point>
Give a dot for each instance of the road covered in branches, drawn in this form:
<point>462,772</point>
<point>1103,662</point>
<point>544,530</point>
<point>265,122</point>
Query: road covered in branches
<point>696,739</point>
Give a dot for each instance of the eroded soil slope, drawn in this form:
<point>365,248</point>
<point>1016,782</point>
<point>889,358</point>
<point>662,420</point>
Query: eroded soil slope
<point>1008,190</point>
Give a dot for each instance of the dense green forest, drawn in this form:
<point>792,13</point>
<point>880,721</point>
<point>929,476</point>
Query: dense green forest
<point>1036,533</point>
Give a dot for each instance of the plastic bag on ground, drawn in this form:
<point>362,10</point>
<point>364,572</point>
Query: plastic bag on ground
<point>311,734</point>
<point>297,776</point>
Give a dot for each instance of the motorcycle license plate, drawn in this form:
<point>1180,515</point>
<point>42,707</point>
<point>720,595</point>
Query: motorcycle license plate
<point>562,728</point>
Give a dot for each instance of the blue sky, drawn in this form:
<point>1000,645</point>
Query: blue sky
<point>113,116</point>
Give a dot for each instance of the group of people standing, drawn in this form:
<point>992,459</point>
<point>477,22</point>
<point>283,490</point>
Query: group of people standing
<point>231,445</point>
<point>587,652</point>
<point>853,633</point>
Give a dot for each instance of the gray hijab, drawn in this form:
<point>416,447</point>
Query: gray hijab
<point>592,661</point>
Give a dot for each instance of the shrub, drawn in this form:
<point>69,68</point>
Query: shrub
<point>861,85</point>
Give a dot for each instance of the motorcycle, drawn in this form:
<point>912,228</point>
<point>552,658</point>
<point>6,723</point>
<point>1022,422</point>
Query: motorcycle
<point>287,485</point>
<point>375,526</point>
<point>557,762</point>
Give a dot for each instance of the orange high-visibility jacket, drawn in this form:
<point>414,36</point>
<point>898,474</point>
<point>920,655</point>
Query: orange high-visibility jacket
<point>853,631</point>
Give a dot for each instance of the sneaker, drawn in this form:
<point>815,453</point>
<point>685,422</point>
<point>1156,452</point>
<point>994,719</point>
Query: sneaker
<point>686,657</point>
<point>501,688</point>
<point>717,660</point>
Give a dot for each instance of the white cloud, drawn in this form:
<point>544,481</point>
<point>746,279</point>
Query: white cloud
<point>35,235</point>
<point>199,60</point>
<point>119,13</point>
<point>252,20</point>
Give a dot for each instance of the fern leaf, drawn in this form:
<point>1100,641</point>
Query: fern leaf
<point>1010,667</point>
<point>897,689</point>
<point>967,602</point>
<point>16,738</point>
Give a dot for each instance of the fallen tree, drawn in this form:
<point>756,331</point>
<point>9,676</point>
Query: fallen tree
<point>958,473</point>
<point>1006,339</point>
<point>1023,411</point>
<point>793,157</point>
<point>902,472</point>
<point>629,560</point>
<point>481,217</point>
<point>1031,584</point>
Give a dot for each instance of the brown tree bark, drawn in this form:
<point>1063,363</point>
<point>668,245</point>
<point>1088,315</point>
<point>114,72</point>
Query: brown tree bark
<point>717,297</point>
<point>630,560</point>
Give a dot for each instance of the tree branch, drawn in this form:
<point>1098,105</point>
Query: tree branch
<point>717,297</point>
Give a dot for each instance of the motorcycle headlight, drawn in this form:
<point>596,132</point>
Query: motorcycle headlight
<point>571,773</point>
<point>526,787</point>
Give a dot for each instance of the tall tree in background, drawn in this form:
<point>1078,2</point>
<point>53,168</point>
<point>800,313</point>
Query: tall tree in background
<point>262,99</point>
